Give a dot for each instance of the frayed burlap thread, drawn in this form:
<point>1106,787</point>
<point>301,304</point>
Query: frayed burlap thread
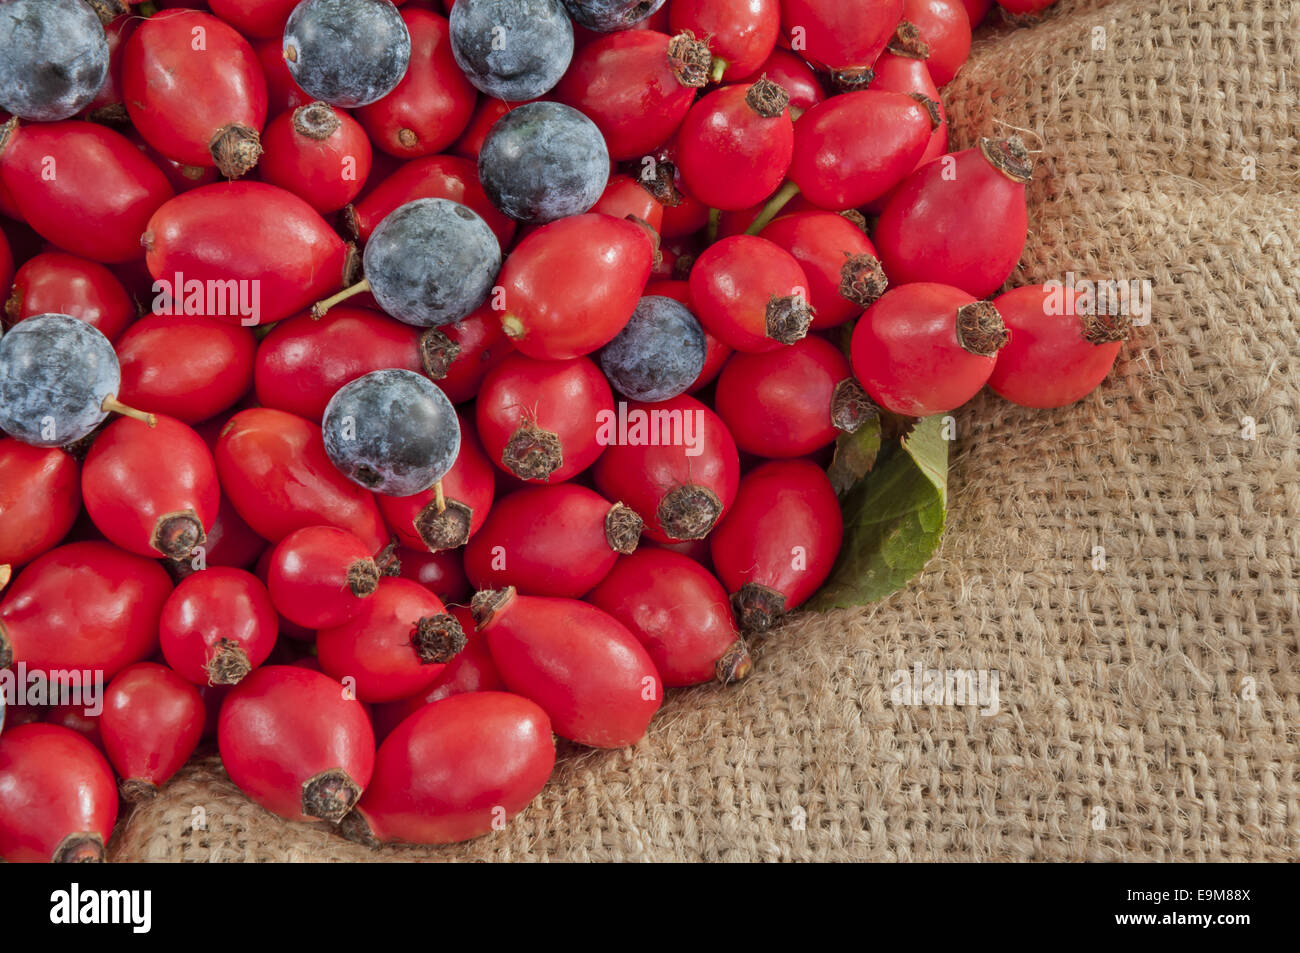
<point>1128,565</point>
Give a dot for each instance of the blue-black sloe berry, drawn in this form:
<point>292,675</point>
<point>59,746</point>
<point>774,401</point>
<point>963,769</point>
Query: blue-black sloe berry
<point>512,49</point>
<point>53,58</point>
<point>658,354</point>
<point>346,52</point>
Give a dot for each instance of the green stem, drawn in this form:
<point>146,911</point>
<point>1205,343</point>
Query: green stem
<point>715,217</point>
<point>146,9</point>
<point>719,67</point>
<point>773,207</point>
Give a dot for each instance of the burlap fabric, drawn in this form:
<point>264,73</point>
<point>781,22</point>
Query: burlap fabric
<point>1148,708</point>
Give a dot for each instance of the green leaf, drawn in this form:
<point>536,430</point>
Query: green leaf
<point>893,520</point>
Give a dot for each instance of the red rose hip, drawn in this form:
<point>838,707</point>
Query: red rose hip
<point>319,575</point>
<point>217,626</point>
<point>152,722</point>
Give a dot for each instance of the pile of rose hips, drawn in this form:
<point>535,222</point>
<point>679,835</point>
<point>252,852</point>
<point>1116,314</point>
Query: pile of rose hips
<point>277,539</point>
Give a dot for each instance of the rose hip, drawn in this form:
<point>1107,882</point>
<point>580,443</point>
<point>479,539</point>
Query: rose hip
<point>319,575</point>
<point>454,770</point>
<point>676,466</point>
<point>779,542</point>
<point>57,798</point>
<point>539,419</point>
<point>735,145</point>
<point>751,294</point>
<point>580,664</point>
<point>217,626</point>
<point>40,497</point>
<point>85,605</point>
<point>926,348</point>
<point>55,283</point>
<point>844,275</point>
<point>791,402</point>
<point>557,540</point>
<point>397,644</point>
<point>1058,352</point>
<point>297,743</point>
<point>959,221</point>
<point>679,612</point>
<point>319,153</point>
<point>152,722</point>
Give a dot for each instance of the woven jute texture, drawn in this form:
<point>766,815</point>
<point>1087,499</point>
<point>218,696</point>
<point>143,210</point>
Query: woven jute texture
<point>1128,566</point>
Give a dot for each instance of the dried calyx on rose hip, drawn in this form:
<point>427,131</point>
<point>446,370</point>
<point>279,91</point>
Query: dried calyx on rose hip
<point>59,379</point>
<point>509,49</point>
<point>53,58</point>
<point>346,52</point>
<point>543,161</point>
<point>391,431</point>
<point>429,263</point>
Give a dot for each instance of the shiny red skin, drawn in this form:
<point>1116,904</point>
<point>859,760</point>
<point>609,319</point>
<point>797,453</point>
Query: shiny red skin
<point>838,168</point>
<point>282,93</point>
<point>102,221</point>
<point>471,482</point>
<point>308,576</point>
<point>729,155</point>
<point>84,605</point>
<point>821,243</point>
<point>304,361</point>
<point>624,196</point>
<point>274,469</point>
<point>906,74</point>
<point>432,104</point>
<point>485,116</point>
<point>838,35</point>
<point>325,173</point>
<point>551,540</point>
<point>624,83</point>
<point>152,722</point>
<point>433,177</point>
<point>715,353</point>
<point>794,76</point>
<point>1047,362</point>
<point>255,18</point>
<point>780,506</point>
<point>53,783</point>
<point>458,768</point>
<point>564,397</point>
<point>214,606</point>
<point>906,354</point>
<point>442,573</point>
<point>589,674</point>
<point>675,607</point>
<point>135,475</point>
<point>778,404</point>
<point>741,32</point>
<point>572,285</point>
<point>187,366</point>
<point>374,647</point>
<point>57,283</point>
<point>732,283</point>
<point>685,218</point>
<point>179,98</point>
<point>283,726</point>
<point>248,231</point>
<point>640,476</point>
<point>959,222</point>
<point>482,343</point>
<point>40,497</point>
<point>945,27</point>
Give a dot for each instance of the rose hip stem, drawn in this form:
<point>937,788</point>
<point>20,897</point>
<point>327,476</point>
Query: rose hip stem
<point>773,207</point>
